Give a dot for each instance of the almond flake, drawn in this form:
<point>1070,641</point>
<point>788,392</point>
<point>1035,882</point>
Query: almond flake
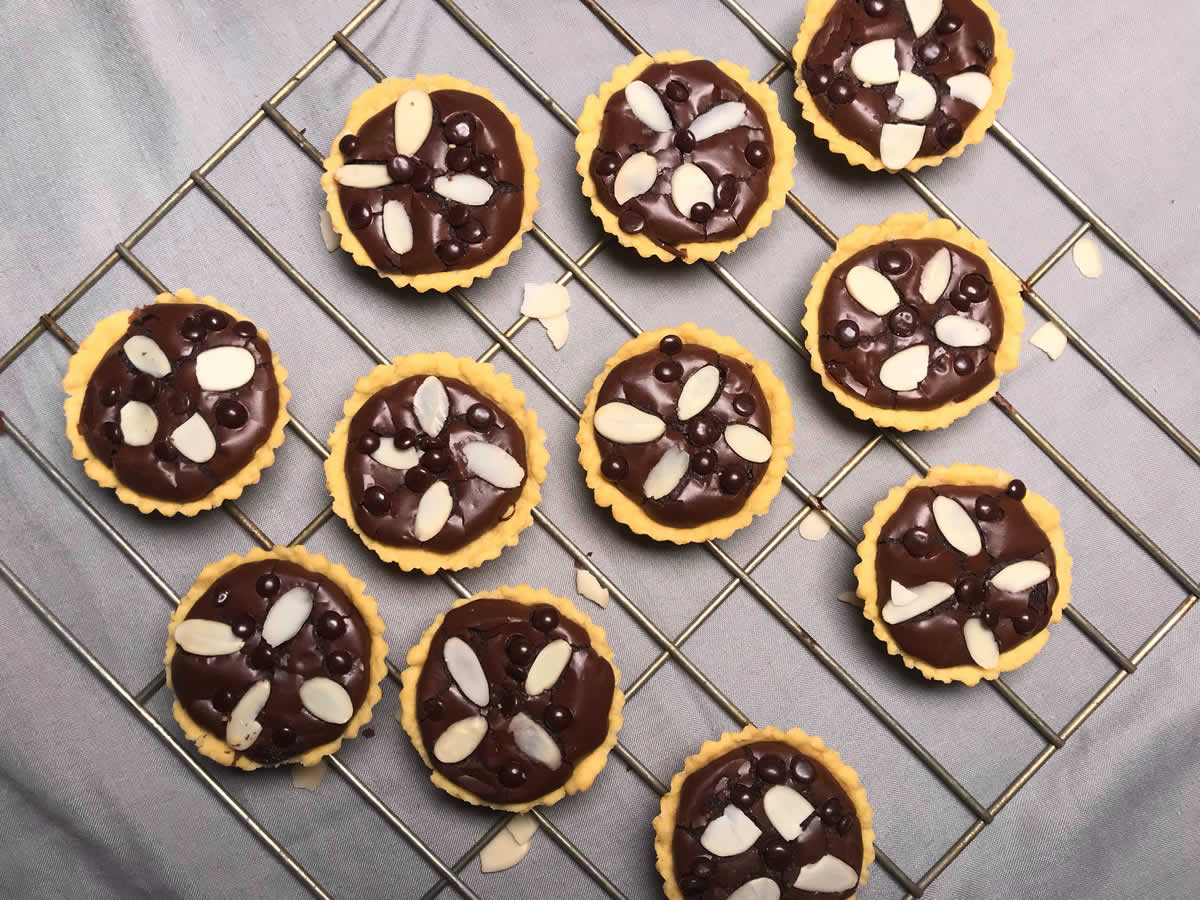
<point>959,331</point>
<point>786,810</point>
<point>872,290</point>
<point>757,889</point>
<point>936,276</point>
<point>918,98</point>
<point>1086,255</point>
<point>327,700</point>
<point>1050,339</point>
<point>636,176</point>
<point>647,106</point>
<point>923,13</point>
<point>205,637</point>
<point>545,301</point>
<point>875,62</point>
<point>748,443</point>
<point>589,587</point>
<point>730,833</point>
<point>363,175</point>
<point>534,741</point>
<point>828,875</point>
<point>431,404</point>
<point>691,185</point>
<point>224,368</point>
<point>698,392</point>
<point>146,356</point>
<point>547,667</point>
<point>907,603</point>
<point>904,371</point>
<point>493,465</point>
<point>459,741</point>
<point>666,473</point>
<point>413,118</point>
<point>433,511</point>
<point>624,423</point>
<point>973,87</point>
<point>466,670</point>
<point>522,828</point>
<point>195,440</point>
<point>557,329</point>
<point>957,526</point>
<point>386,454</point>
<point>287,616</point>
<point>850,598</point>
<point>309,778</point>
<point>328,235</point>
<point>468,190</point>
<point>898,146</point>
<point>981,644</point>
<point>1020,576</point>
<point>397,227</point>
<point>502,852</point>
<point>139,423</point>
<point>243,730</point>
<point>721,117</point>
<point>814,526</point>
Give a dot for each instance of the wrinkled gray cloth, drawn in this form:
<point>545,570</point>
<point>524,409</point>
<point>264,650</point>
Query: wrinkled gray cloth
<point>110,104</point>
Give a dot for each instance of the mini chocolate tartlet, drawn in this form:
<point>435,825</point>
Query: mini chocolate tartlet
<point>764,813</point>
<point>685,435</point>
<point>178,405</point>
<point>437,463</point>
<point>901,84</point>
<point>511,699</point>
<point>683,158</point>
<point>912,322</point>
<point>962,571</point>
<point>431,182</point>
<point>274,658</point>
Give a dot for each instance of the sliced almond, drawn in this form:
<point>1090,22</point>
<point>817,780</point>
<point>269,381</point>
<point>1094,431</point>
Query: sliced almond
<point>195,440</point>
<point>327,700</point>
<point>624,423</point>
<point>468,190</point>
<point>922,14</point>
<point>493,465</point>
<point>981,644</point>
<point>850,598</point>
<point>691,185</point>
<point>224,368</point>
<point>387,454</point>
<point>502,852</point>
<point>957,526</point>
<point>522,828</point>
<point>918,98</point>
<point>328,235</point>
<point>875,62</point>
<point>309,778</point>
<point>397,227</point>
<point>287,616</point>
<point>748,443</point>
<point>413,118</point>
<point>959,331</point>
<point>648,106</point>
<point>139,423</point>
<point>459,741</point>
<point>730,833</point>
<point>433,511</point>
<point>936,276</point>
<point>534,741</point>
<point>814,526</point>
<point>636,176</point>
<point>899,145</point>
<point>757,889</point>
<point>545,301</point>
<point>1050,339</point>
<point>547,667</point>
<point>666,473</point>
<point>1086,256</point>
<point>146,356</point>
<point>698,392</point>
<point>786,810</point>
<point>589,587</point>
<point>205,637</point>
<point>1020,576</point>
<point>243,729</point>
<point>973,87</point>
<point>828,875</point>
<point>721,117</point>
<point>466,670</point>
<point>557,329</point>
<point>872,290</point>
<point>363,175</point>
<point>905,370</point>
<point>431,404</point>
<point>907,603</point>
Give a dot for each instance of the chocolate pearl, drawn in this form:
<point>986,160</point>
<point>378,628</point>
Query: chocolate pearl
<point>969,589</point>
<point>166,451</point>
<point>433,708</point>
<point>685,141</point>
<point>368,443</point>
<point>263,656</point>
<point>144,387</point>
<point>841,91</point>
<point>376,500</point>
<point>418,479</point>
<point>348,144</point>
<point>631,221</point>
<point>988,510</point>
<point>1025,622</point>
<point>845,823</point>
<point>894,261</point>
<point>691,885</point>
<point>358,216</point>
<point>436,459</point>
<point>990,618</point>
<point>614,467</point>
<point>1016,489</point>
<point>192,329</point>
<point>459,128</point>
<point>519,650</point>
<point>758,154</point>
<point>802,770</point>
<point>846,333</point>
<point>243,627</point>
<point>225,700</point>
<point>671,344</point>
<point>732,481</point>
<point>244,329</point>
<point>473,232</point>
<point>482,167</point>
<point>668,370</point>
<point>400,169</point>
<point>876,9</point>
<point>831,811</point>
<point>948,24</point>
<point>772,769</point>
<point>544,618</point>
<point>459,158</point>
<point>450,252</point>
<point>974,287</point>
<point>267,585</point>
<point>704,462</point>
<point>511,775</point>
<point>949,133</point>
<point>700,212</point>
<point>726,191</point>
<point>109,395</point>
<point>677,90</point>
<point>404,438</point>
<point>230,414</point>
<point>963,365</point>
<point>557,718</point>
<point>902,321</point>
<point>215,320</point>
<point>111,432</point>
<point>704,867</point>
<point>422,178</point>
<point>285,737</point>
<point>932,51</point>
<point>338,662</point>
<point>744,404</point>
<point>961,303</point>
<point>331,625</point>
<point>918,542</point>
<point>776,854</point>
<point>605,164</point>
<point>508,703</point>
<point>818,80</point>
<point>702,432</point>
<point>742,796</point>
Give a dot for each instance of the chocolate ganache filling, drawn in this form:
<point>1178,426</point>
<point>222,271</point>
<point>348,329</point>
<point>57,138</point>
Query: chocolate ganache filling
<point>984,560</point>
<point>511,698</point>
<point>933,295</point>
<point>332,643</point>
<point>399,450</point>
<point>181,402</point>
<point>459,195</point>
<point>958,42</point>
<point>685,155</point>
<point>683,431</point>
<point>794,833</point>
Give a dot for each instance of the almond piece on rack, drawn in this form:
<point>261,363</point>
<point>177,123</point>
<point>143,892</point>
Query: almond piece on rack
<point>1086,256</point>
<point>1050,339</point>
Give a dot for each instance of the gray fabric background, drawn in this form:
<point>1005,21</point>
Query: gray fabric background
<point>109,104</point>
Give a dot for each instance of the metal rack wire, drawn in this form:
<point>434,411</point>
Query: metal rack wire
<point>741,575</point>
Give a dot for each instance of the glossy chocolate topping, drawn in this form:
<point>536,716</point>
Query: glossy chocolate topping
<point>718,481</point>
<point>506,637</point>
<point>240,420</point>
<point>913,551</point>
<point>385,498</point>
<point>469,136</point>
<point>741,777</point>
<point>961,40</point>
<point>737,160</point>
<point>333,643</point>
<point>855,342</point>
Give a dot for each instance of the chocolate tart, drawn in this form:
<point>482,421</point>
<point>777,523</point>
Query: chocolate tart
<point>431,182</point>
<point>962,571</point>
<point>901,84</point>
<point>437,464</point>
<point>764,813</point>
<point>274,657</point>
<point>683,158</point>
<point>912,322</point>
<point>511,699</point>
<point>178,405</point>
<point>685,460</point>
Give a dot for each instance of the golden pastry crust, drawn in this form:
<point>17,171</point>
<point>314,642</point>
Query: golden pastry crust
<point>586,769</point>
<point>809,745</point>
<point>782,140</point>
<point>1001,76</point>
<point>915,226</point>
<point>498,387</point>
<point>79,372</point>
<point>1043,513</point>
<point>213,746</point>
<point>379,97</point>
<point>629,513</point>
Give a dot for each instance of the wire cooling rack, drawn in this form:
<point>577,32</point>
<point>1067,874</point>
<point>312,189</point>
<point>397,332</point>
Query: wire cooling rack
<point>447,872</point>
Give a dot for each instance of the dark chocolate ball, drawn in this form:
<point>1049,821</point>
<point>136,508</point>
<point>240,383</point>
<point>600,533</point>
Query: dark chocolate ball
<point>845,823</point>
<point>111,432</point>
<point>704,462</point>
<point>418,479</point>
<point>963,365</point>
<point>685,141</point>
<point>831,811</point>
<point>109,395</point>
<point>818,79</point>
<point>368,443</point>
<point>677,90</point>
<point>480,417</point>
<point>841,91</point>
<point>348,144</point>
<point>772,769</point>
<point>144,388</point>
<point>776,854</point>
<point>732,481</point>
<point>338,662</point>
<point>225,700</point>
<point>802,770</point>
<point>243,627</point>
<point>459,158</point>
<point>404,438</point>
<point>969,589</point>
<point>331,625</point>
<point>181,404</point>
<point>1016,489</point>
<point>877,9</point>
<point>230,414</point>
<point>702,432</point>
<point>267,585</point>
<point>1025,622</point>
<point>758,154</point>
<point>605,164</point>
<point>215,320</point>
<point>284,736</point>
<point>544,617</point>
<point>742,796</point>
<point>457,214</point>
<point>931,52</point>
<point>511,775</point>
<point>990,618</point>
<point>244,329</point>
<point>450,252</point>
<point>918,542</point>
<point>376,501</point>
<point>894,261</point>
<point>263,656</point>
<point>422,177</point>
<point>846,333</point>
<point>436,459</point>
<point>519,650</point>
<point>668,370</point>
<point>473,232</point>
<point>557,718</point>
<point>400,169</point>
<point>671,344</point>
<point>166,451</point>
<point>948,24</point>
<point>902,321</point>
<point>974,287</point>
<point>614,467</point>
<point>482,167</point>
<point>949,133</point>
<point>744,404</point>
<point>631,221</point>
<point>988,510</point>
<point>459,128</point>
<point>700,212</point>
<point>358,216</point>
